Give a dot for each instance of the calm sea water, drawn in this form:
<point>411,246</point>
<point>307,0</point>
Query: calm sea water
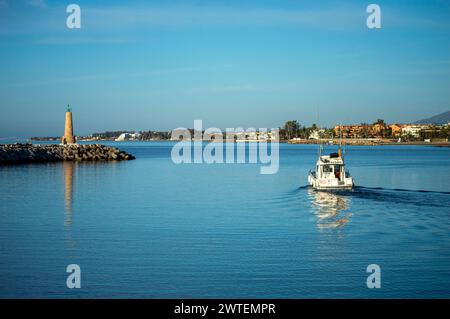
<point>151,228</point>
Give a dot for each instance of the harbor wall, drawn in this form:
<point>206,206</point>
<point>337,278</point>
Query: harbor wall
<point>28,153</point>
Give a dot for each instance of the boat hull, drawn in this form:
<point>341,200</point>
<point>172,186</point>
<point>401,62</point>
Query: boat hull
<point>331,185</point>
<point>333,188</point>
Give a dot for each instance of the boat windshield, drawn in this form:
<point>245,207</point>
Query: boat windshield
<point>327,169</point>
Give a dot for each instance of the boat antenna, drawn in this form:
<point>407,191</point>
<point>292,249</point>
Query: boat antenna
<point>345,146</point>
<point>318,130</point>
<point>341,143</point>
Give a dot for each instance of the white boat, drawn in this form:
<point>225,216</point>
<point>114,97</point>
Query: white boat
<point>330,173</point>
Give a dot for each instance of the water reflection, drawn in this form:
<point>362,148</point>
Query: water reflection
<point>331,209</point>
<point>68,169</point>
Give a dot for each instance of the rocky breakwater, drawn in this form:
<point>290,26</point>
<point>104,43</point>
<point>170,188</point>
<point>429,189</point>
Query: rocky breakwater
<point>28,153</point>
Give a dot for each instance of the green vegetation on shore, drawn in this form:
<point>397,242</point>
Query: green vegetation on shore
<point>293,131</point>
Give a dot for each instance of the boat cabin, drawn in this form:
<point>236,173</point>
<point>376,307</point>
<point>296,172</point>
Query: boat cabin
<point>330,166</point>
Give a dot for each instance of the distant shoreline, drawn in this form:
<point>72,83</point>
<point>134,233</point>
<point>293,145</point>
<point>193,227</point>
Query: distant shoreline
<point>371,142</point>
<point>351,142</point>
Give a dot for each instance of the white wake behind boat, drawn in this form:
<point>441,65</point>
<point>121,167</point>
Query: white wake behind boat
<point>330,173</point>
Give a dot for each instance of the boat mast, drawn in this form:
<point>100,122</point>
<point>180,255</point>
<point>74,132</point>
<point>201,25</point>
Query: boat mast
<point>319,151</point>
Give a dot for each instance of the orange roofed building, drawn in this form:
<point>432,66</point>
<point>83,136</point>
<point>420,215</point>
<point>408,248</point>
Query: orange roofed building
<point>396,129</point>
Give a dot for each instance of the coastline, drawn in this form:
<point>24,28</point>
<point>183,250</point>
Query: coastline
<point>370,142</point>
<point>352,142</point>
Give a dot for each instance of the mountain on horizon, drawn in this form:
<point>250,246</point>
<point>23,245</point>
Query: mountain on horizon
<point>442,118</point>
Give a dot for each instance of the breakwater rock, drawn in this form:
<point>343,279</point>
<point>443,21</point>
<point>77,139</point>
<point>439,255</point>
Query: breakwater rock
<point>29,153</point>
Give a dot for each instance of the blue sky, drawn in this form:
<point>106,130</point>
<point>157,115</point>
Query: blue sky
<point>161,64</point>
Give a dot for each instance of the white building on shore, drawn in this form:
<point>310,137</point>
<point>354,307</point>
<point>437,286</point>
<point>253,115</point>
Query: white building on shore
<point>414,129</point>
<point>128,137</point>
<point>315,135</point>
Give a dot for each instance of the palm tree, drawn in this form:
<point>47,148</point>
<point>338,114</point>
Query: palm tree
<point>291,128</point>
